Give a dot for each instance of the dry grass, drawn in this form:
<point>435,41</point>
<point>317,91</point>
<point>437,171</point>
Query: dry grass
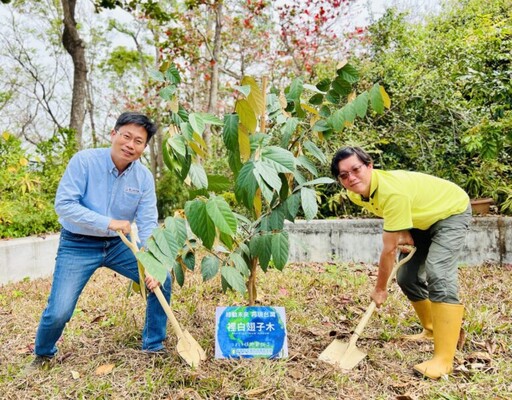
<point>321,301</point>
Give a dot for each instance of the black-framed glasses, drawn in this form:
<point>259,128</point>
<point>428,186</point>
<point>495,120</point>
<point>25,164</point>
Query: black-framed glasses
<point>355,170</point>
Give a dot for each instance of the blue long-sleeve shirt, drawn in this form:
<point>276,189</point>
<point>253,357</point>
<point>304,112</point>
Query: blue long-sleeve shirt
<point>92,192</point>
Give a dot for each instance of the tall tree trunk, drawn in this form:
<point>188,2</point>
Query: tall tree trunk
<point>76,49</point>
<point>214,82</point>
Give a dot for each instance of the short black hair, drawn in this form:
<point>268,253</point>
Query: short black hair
<point>346,152</point>
<point>139,119</point>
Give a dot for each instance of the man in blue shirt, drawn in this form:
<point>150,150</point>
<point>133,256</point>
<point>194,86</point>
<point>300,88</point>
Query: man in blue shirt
<point>103,191</point>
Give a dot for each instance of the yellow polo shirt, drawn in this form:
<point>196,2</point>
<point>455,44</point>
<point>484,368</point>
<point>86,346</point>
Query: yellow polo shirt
<point>408,200</point>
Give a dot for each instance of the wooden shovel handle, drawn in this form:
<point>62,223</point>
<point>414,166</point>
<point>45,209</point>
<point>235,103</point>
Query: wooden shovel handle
<point>366,317</point>
<point>157,291</point>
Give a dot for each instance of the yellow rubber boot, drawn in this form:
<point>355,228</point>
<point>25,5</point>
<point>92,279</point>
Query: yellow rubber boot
<point>447,320</point>
<point>424,312</point>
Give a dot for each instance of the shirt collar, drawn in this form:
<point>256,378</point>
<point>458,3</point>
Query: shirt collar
<point>374,183</point>
<point>112,167</point>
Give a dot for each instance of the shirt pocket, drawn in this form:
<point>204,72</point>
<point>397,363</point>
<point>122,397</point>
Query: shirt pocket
<point>129,202</point>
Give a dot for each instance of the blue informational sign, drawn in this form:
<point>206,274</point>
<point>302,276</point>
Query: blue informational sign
<point>250,332</point>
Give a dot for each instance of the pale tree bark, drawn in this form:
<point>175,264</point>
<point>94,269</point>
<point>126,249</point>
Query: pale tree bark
<point>213,95</point>
<point>75,46</point>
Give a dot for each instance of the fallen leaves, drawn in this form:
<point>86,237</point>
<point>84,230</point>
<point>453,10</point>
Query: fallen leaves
<point>104,369</point>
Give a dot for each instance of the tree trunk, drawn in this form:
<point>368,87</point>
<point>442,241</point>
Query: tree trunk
<point>76,49</point>
<point>214,82</point>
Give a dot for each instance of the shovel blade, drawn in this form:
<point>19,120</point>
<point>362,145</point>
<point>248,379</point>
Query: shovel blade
<point>341,355</point>
<point>190,350</point>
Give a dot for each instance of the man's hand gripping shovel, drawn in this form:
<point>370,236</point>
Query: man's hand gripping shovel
<point>347,355</point>
<point>187,346</point>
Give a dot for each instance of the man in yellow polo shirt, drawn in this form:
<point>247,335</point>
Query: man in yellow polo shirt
<point>431,214</point>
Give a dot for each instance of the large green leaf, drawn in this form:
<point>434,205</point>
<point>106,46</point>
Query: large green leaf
<point>164,246</point>
<point>173,74</point>
<point>246,114</point>
<point>230,131</point>
<point>222,216</point>
<point>309,205</point>
<point>197,123</point>
<point>200,223</point>
<point>189,259</point>
<point>376,99</point>
<point>280,248</point>
<point>234,279</point>
<point>209,267</point>
<point>240,264</point>
<point>319,181</point>
<point>315,151</point>
<point>324,85</point>
<point>178,273</point>
<point>348,73</point>
<point>167,93</point>
<point>292,205</point>
<point>296,88</point>
<point>178,229</point>
<point>210,119</point>
<point>281,159</point>
<point>266,190</point>
<point>246,185</point>
<point>361,104</point>
<point>156,75</point>
<point>152,266</point>
<point>350,112</point>
<point>155,251</point>
<point>261,247</point>
<point>269,174</point>
<point>276,218</point>
<point>341,86</point>
<point>308,164</point>
<point>287,130</point>
<point>177,144</point>
<point>171,242</point>
<point>219,183</point>
<point>198,176</point>
<point>338,119</point>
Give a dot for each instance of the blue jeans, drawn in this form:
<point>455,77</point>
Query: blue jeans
<point>432,272</point>
<point>78,257</point>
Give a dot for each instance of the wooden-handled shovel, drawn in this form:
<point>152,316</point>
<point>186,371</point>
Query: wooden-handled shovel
<point>187,346</point>
<point>347,355</point>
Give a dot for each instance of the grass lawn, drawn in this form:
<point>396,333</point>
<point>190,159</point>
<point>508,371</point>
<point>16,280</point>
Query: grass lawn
<point>99,355</point>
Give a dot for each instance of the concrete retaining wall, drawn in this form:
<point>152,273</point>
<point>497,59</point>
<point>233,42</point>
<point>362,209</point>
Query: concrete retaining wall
<point>357,240</point>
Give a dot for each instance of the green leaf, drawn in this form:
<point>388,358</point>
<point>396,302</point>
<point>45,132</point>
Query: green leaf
<point>152,266</point>
<point>210,119</point>
<point>164,248</point>
<point>198,176</point>
<point>234,279</point>
<point>219,183</point>
<point>316,99</point>
<point>309,205</point>
<point>287,130</point>
<point>350,112</point>
<point>152,247</point>
<point>292,205</point>
<point>177,144</point>
<point>333,97</point>
<point>246,114</point>
<point>173,74</point>
<point>269,174</point>
<point>200,223</point>
<point>240,264</point>
<point>209,267</point>
<point>281,159</point>
<point>178,229</point>
<point>280,248</point>
<point>338,119</point>
<point>324,85</point>
<point>156,75</point>
<point>295,91</point>
<point>319,181</point>
<point>230,131</point>
<point>197,123</point>
<point>308,164</point>
<point>221,215</point>
<point>179,274</point>
<point>266,190</point>
<point>313,88</point>
<point>341,86</point>
<point>376,99</point>
<point>321,126</point>
<point>261,247</point>
<point>167,93</point>
<point>361,104</point>
<point>315,151</point>
<point>172,244</point>
<point>276,218</point>
<point>348,73</point>
<point>189,259</point>
<point>246,185</point>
